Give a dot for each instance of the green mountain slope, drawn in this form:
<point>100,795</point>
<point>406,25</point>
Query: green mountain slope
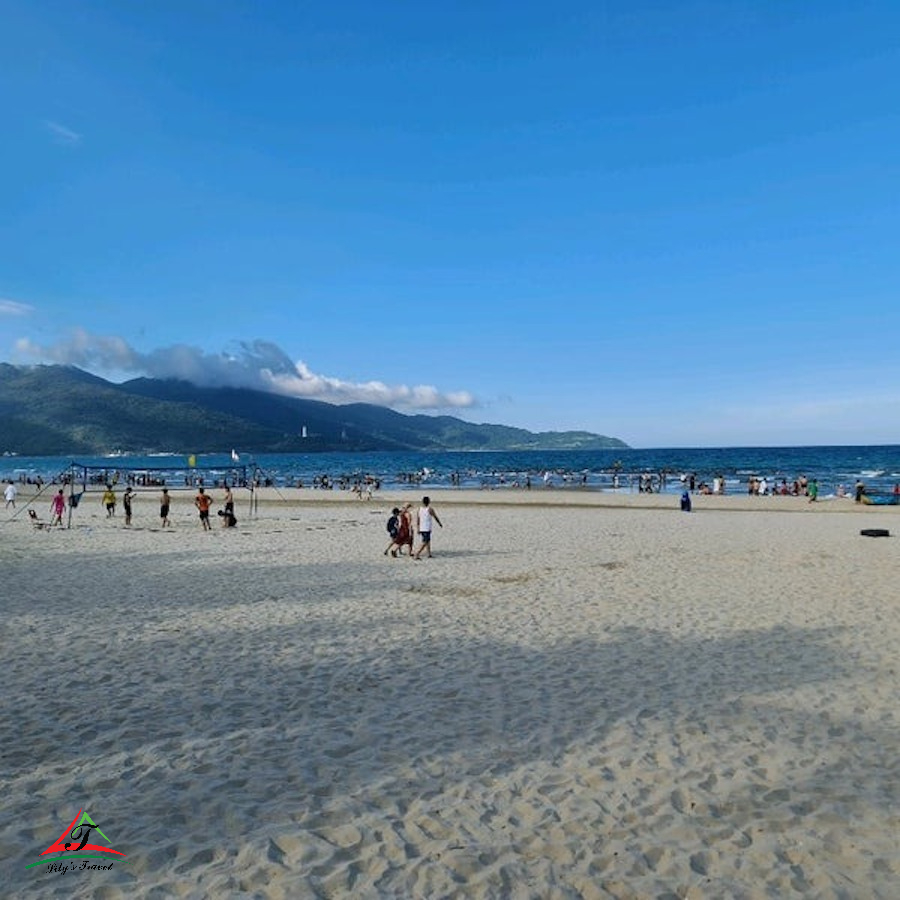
<point>57,410</point>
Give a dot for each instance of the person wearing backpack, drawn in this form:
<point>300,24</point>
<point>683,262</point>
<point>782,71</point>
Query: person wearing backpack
<point>393,529</point>
<point>404,534</point>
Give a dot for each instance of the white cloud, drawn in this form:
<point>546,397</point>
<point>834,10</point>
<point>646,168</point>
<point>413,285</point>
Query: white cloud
<point>61,134</point>
<point>14,308</point>
<point>302,382</point>
<point>258,364</point>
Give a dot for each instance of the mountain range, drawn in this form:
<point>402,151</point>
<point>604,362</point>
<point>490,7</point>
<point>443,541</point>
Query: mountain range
<point>51,410</point>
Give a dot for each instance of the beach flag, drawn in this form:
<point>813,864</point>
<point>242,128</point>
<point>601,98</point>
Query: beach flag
<point>234,456</point>
<point>192,460</point>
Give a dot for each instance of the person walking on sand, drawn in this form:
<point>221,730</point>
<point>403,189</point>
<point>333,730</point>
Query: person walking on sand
<point>126,503</point>
<point>405,531</point>
<point>203,501</point>
<point>9,495</point>
<point>109,501</point>
<point>164,504</point>
<point>58,507</point>
<point>393,529</point>
<point>426,516</point>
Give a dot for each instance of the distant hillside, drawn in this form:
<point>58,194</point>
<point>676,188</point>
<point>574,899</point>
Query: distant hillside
<point>58,410</point>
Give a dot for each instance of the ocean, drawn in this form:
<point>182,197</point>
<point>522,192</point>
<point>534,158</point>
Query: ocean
<point>877,466</point>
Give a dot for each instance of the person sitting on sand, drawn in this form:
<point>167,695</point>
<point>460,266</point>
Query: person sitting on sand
<point>227,516</point>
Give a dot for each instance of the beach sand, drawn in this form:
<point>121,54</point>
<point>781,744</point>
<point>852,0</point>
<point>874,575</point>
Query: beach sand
<point>580,695</point>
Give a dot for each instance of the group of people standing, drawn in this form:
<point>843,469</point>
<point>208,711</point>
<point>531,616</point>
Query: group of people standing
<point>109,501</point>
<point>399,527</point>
<point>203,501</point>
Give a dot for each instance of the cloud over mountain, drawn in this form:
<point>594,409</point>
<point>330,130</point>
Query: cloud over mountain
<point>258,364</point>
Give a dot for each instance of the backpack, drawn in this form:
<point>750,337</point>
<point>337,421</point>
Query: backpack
<point>393,526</point>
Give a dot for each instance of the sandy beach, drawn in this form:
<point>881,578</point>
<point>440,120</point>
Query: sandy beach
<point>580,695</point>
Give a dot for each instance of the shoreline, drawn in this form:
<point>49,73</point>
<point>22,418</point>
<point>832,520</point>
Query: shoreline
<point>831,466</point>
<point>550,498</point>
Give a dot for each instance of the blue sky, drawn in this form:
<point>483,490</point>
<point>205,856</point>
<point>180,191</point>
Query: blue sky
<point>671,222</point>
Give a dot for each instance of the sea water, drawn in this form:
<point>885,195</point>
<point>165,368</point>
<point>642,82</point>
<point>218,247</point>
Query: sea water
<point>596,470</point>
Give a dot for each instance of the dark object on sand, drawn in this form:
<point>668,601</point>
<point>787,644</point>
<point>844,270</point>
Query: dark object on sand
<point>880,499</point>
<point>875,532</point>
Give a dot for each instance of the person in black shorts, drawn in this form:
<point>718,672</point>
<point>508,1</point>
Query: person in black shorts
<point>164,508</point>
<point>203,502</point>
<point>126,503</point>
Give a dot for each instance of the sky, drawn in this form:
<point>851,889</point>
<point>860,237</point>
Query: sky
<point>669,222</point>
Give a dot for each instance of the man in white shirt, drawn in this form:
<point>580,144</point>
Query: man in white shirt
<point>425,517</point>
<point>10,495</point>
